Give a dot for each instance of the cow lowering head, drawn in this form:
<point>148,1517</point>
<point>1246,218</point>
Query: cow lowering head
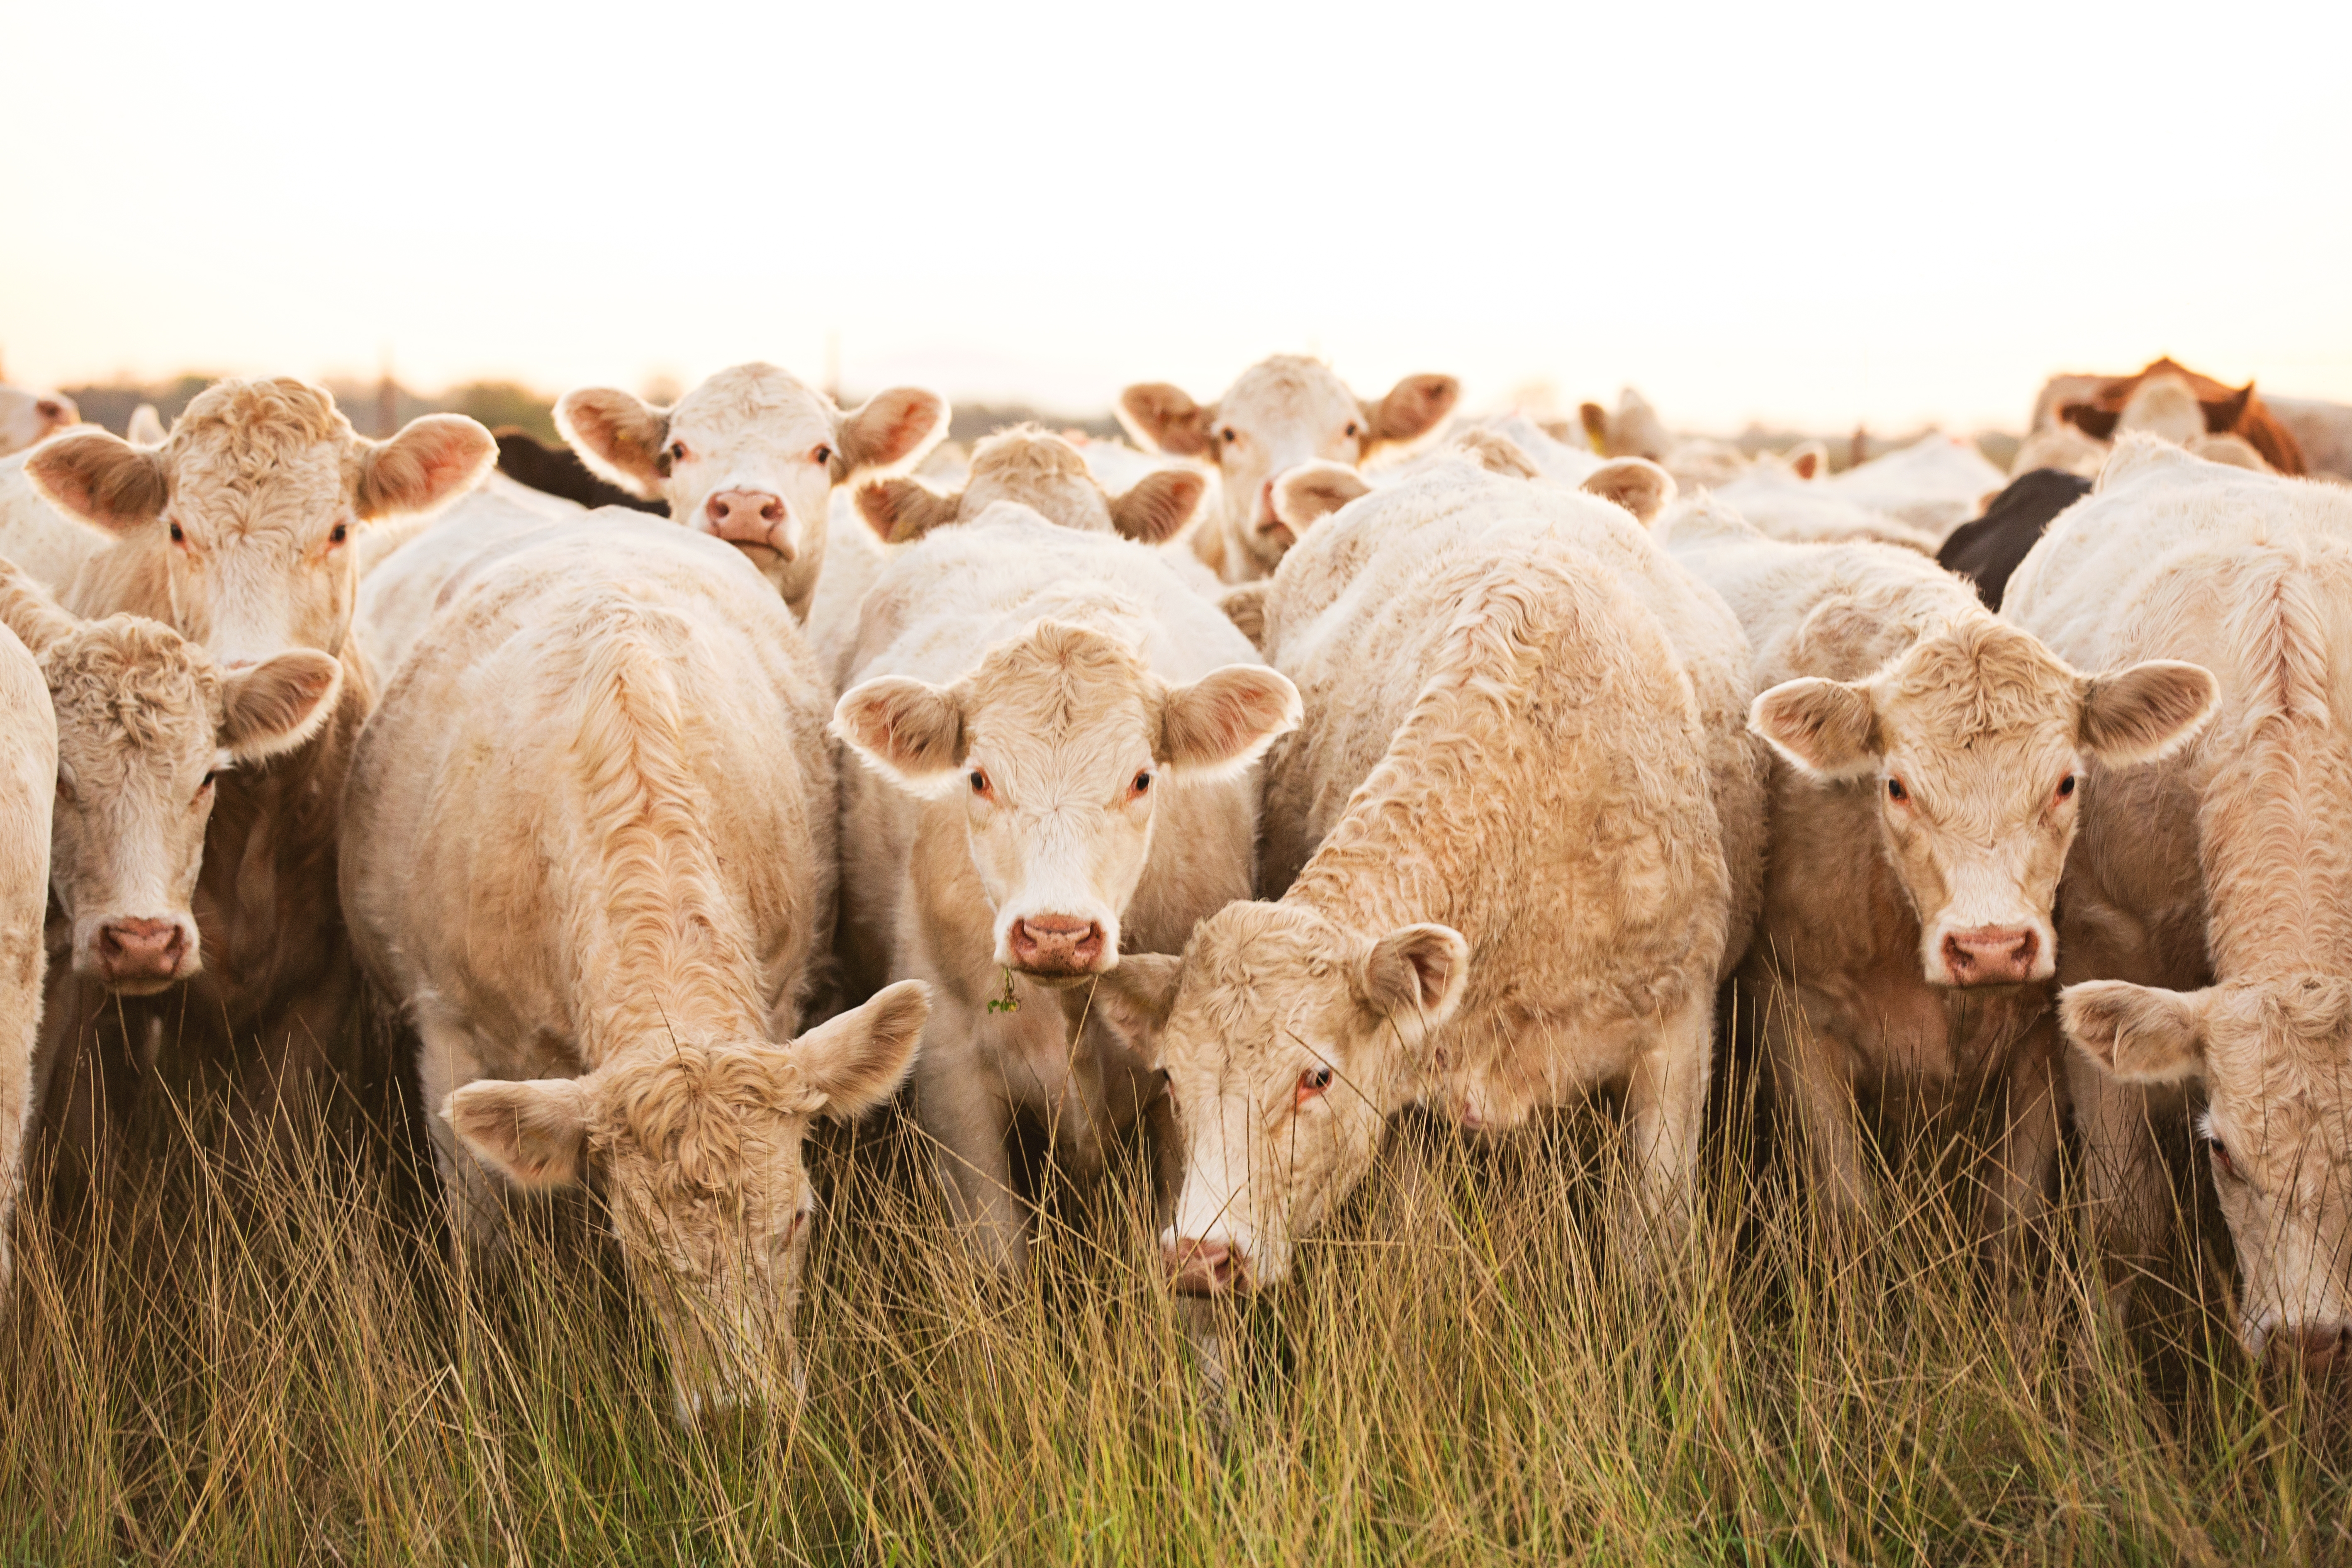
<point>1060,744</point>
<point>1973,739</point>
<point>1281,413</point>
<point>242,519</point>
<point>145,720</point>
<point>1038,470</point>
<point>751,456</point>
<point>698,1151</point>
<point>1288,1042</point>
<point>2273,1056</point>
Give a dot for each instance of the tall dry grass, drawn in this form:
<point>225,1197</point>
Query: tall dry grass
<point>263,1357</point>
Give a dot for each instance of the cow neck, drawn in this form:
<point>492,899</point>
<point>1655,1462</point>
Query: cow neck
<point>2275,836</point>
<point>1407,849</point>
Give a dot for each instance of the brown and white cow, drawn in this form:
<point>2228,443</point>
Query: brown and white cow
<point>591,851</point>
<point>238,533</point>
<point>1280,413</point>
<point>29,418</point>
<point>1057,733</point>
<point>28,759</point>
<point>1535,822</point>
<point>1927,788</point>
<point>752,456</point>
<point>2206,932</point>
<point>2096,405</point>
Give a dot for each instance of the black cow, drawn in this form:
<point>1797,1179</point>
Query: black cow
<point>1987,550</point>
<point>558,471</point>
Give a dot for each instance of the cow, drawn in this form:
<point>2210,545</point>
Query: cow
<point>1924,791</point>
<point>558,471</point>
<point>1535,824</point>
<point>1278,413</point>
<point>2097,405</point>
<point>2060,448</point>
<point>403,588</point>
<point>1056,734</point>
<point>1032,467</point>
<point>590,851</point>
<point>1789,500</point>
<point>238,533</point>
<point>1694,462</point>
<point>1933,485</point>
<point>28,774</point>
<point>29,418</point>
<point>2322,431</point>
<point>752,456</point>
<point>2206,932</point>
<point>1988,551</point>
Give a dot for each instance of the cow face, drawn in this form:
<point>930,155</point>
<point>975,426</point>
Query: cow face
<point>1973,742</point>
<point>29,418</point>
<point>242,518</point>
<point>698,1151</point>
<point>2277,1132</point>
<point>145,721</point>
<point>1282,412</point>
<point>1287,1042</point>
<point>1060,745</point>
<point>751,456</point>
<point>1029,467</point>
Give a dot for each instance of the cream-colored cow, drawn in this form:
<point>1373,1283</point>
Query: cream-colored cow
<point>1534,822</point>
<point>1280,413</point>
<point>1057,734</point>
<point>2206,932</point>
<point>752,456</point>
<point>590,848</point>
<point>29,418</point>
<point>1926,791</point>
<point>28,770</point>
<point>1034,467</point>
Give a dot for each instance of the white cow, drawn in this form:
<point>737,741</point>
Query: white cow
<point>29,418</point>
<point>29,779</point>
<point>1934,485</point>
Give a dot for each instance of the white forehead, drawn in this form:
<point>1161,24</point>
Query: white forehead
<point>754,402</point>
<point>1287,391</point>
<point>221,479</point>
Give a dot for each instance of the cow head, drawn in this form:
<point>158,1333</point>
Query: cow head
<point>29,418</point>
<point>1281,413</point>
<point>242,518</point>
<point>751,456</point>
<point>1973,739</point>
<point>2277,1131</point>
<point>698,1149</point>
<point>145,721</point>
<point>1038,470</point>
<point>1288,1042</point>
<point>1060,744</point>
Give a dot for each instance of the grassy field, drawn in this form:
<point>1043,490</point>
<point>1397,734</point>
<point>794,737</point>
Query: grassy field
<point>265,1360</point>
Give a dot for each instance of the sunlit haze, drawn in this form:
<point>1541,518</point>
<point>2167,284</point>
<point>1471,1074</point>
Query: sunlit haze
<point>1807,215</point>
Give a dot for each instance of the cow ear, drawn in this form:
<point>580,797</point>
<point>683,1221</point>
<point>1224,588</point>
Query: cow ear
<point>2146,712</point>
<point>1217,725</point>
<point>534,1134</point>
<point>26,609</point>
<point>850,1065</point>
<point>618,435</point>
<point>1827,729</point>
<point>890,429</point>
<point>100,478</point>
<point>1416,976</point>
<point>904,508</point>
<point>1808,461</point>
<point>1136,996</point>
<point>1637,484</point>
<point>146,428</point>
<point>1155,509</point>
<point>277,704</point>
<point>1497,453</point>
<point>1245,606</point>
<point>1163,418</point>
<point>910,731</point>
<point>1412,409</point>
<point>432,459</point>
<point>1315,489</point>
<point>2139,1033</point>
<point>1595,420</point>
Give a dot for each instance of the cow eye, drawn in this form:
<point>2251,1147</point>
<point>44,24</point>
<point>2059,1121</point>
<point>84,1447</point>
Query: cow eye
<point>178,537</point>
<point>677,451</point>
<point>1314,1081</point>
<point>978,782</point>
<point>1895,789</point>
<point>1143,782</point>
<point>205,788</point>
<point>2065,786</point>
<point>1228,436</point>
<point>2221,1161</point>
<point>339,532</point>
<point>822,454</point>
<point>1353,429</point>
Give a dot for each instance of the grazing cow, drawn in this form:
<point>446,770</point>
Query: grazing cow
<point>1933,485</point>
<point>558,471</point>
<point>1987,551</point>
<point>2098,410</point>
<point>1535,822</point>
<point>591,850</point>
<point>2323,431</point>
<point>236,532</point>
<point>1923,800</point>
<point>2206,931</point>
<point>752,456</point>
<point>1280,413</point>
<point>1057,734</point>
<point>1789,501</point>
<point>28,774</point>
<point>29,418</point>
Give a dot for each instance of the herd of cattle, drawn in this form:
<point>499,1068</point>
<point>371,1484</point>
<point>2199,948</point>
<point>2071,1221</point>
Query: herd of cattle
<point>1323,757</point>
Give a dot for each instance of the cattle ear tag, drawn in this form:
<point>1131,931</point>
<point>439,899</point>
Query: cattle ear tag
<point>1008,1002</point>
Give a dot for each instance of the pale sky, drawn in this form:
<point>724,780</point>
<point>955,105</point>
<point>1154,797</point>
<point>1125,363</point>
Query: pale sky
<point>1806,213</point>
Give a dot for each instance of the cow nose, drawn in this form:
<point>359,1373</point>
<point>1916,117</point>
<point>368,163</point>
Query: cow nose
<point>2324,1349</point>
<point>1197,1267</point>
<point>1991,955</point>
<point>136,951</point>
<point>1055,944</point>
<point>750,517</point>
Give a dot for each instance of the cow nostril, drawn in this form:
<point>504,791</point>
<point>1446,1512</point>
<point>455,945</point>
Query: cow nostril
<point>773,512</point>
